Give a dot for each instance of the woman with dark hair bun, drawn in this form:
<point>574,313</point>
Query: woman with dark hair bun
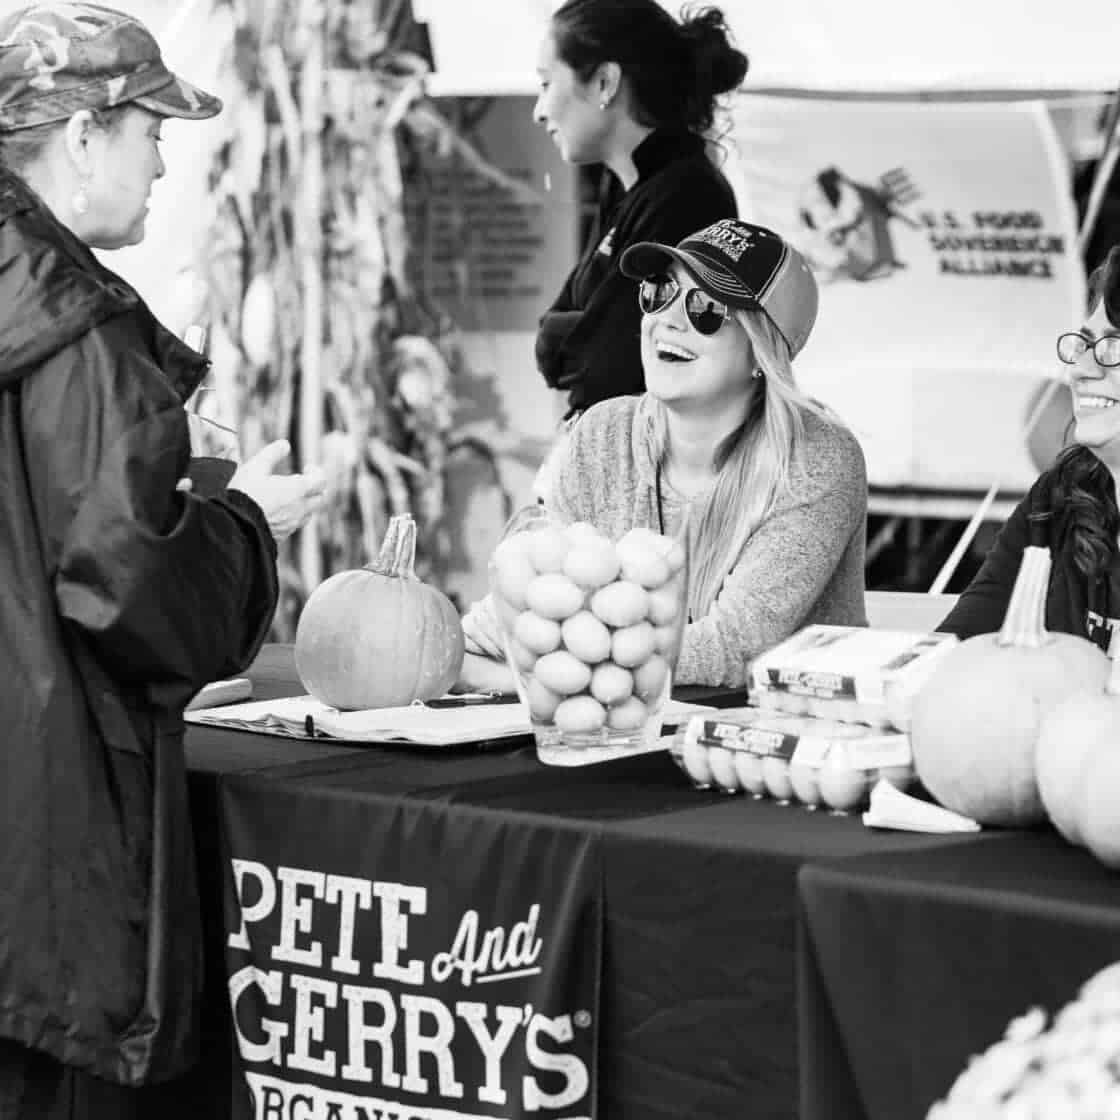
<point>626,85</point>
<point>1078,491</point>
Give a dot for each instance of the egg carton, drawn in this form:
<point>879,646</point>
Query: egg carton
<point>791,759</point>
<point>851,674</point>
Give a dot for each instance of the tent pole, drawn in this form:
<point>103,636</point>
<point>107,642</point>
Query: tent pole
<point>1103,173</point>
<point>970,530</point>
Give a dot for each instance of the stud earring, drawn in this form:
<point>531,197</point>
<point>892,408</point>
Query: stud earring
<point>757,374</point>
<point>81,200</point>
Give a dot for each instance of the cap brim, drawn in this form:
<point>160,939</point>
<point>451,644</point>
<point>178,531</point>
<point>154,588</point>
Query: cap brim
<point>648,257</point>
<point>180,99</point>
<point>645,259</point>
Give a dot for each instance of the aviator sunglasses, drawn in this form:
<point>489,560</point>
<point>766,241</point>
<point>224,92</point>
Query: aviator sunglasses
<point>706,314</point>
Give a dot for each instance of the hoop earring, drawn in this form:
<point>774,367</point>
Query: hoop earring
<point>81,200</point>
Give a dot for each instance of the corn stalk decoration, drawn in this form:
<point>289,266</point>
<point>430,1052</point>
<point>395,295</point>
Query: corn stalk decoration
<point>317,334</point>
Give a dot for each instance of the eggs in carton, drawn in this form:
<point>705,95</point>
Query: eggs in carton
<point>791,758</point>
<point>848,673</point>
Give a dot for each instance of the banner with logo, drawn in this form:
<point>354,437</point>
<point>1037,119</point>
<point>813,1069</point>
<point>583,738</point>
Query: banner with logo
<point>944,239</point>
<point>407,961</point>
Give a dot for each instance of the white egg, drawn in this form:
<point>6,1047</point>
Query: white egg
<point>695,759</point>
<point>748,766</point>
<point>650,677</point>
<point>536,634</point>
<point>543,702</point>
<point>554,595</point>
<point>620,603</point>
<point>722,764</point>
<point>561,672</point>
<point>580,715</point>
<point>806,786</point>
<point>629,715</point>
<point>843,786</point>
<point>632,646</point>
<point>586,637</point>
<point>775,774</point>
<point>611,683</point>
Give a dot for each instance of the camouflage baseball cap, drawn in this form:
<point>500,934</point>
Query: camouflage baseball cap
<point>57,58</point>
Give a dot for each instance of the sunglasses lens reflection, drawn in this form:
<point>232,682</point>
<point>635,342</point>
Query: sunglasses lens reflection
<point>656,292</point>
<point>707,315</point>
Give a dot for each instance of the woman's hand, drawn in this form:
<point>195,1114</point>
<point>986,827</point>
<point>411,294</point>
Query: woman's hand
<point>483,674</point>
<point>481,630</point>
<point>287,500</point>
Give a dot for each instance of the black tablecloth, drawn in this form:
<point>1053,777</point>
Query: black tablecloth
<point>913,961</point>
<point>698,1014</point>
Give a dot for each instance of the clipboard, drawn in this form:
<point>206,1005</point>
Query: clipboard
<point>449,721</point>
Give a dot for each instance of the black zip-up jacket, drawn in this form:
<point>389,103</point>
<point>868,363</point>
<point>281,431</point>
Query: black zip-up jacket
<point>1074,605</point>
<point>120,597</point>
<point>589,339</point>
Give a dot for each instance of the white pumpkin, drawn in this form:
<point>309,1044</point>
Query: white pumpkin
<point>976,721</point>
<point>1079,739</point>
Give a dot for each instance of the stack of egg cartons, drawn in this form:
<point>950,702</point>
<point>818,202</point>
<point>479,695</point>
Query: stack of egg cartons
<point>829,716</point>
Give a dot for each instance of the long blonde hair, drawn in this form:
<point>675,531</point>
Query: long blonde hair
<point>753,463</point>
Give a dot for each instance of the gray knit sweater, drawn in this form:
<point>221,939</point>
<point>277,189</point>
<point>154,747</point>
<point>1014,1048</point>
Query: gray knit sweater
<point>804,564</point>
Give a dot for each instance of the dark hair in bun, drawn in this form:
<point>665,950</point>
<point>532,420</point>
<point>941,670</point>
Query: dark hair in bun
<point>676,69</point>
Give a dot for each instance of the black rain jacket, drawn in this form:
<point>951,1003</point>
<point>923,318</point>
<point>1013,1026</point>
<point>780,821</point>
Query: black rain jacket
<point>119,598</point>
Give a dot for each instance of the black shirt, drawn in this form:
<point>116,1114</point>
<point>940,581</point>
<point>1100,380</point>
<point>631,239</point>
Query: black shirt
<point>1074,604</point>
<point>588,341</point>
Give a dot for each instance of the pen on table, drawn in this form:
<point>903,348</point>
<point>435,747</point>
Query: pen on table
<point>474,698</point>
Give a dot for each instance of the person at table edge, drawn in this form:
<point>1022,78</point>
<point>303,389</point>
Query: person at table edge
<point>1078,492</point>
<point>124,592</point>
<point>774,486</point>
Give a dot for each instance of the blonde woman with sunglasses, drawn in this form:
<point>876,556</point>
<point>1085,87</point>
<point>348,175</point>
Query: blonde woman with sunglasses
<point>772,487</point>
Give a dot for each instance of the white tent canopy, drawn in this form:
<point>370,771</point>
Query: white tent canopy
<point>858,45</point>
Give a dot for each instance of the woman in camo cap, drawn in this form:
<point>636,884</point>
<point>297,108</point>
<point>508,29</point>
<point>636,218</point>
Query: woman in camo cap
<point>123,591</point>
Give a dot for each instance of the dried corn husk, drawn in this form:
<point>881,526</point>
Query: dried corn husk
<point>307,271</point>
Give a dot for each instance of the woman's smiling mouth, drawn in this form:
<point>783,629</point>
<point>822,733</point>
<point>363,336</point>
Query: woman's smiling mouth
<point>670,352</point>
<point>1091,403</point>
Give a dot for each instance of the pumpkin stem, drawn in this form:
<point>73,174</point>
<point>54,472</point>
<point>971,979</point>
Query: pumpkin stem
<point>1112,687</point>
<point>385,564</point>
<point>1024,623</point>
<point>404,564</point>
<point>398,550</point>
